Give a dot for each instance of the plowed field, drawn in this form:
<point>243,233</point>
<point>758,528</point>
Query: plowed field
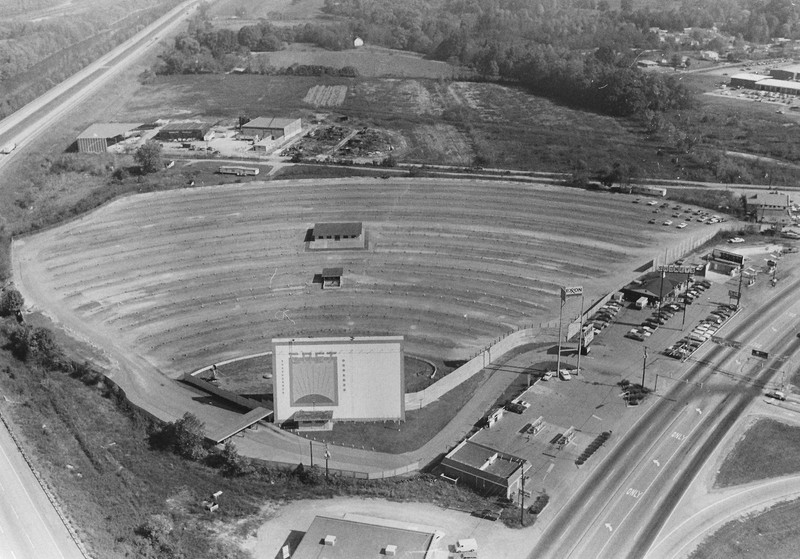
<point>190,277</point>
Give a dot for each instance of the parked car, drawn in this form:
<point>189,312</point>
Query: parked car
<point>564,374</point>
<point>548,375</point>
<point>488,514</point>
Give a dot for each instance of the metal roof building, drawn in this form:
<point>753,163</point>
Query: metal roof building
<point>179,131</point>
<point>746,79</point>
<point>264,127</point>
<point>99,136</point>
<point>342,538</point>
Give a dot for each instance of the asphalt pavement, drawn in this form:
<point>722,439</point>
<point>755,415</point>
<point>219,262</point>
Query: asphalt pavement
<point>30,528</point>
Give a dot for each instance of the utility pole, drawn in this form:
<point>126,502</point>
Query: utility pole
<point>580,336</point>
<point>739,293</point>
<point>311,452</point>
<point>522,495</point>
<point>661,291</point>
<point>644,365</point>
<point>560,316</point>
<point>327,457</point>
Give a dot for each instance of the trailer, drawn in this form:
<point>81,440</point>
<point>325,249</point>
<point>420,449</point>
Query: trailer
<point>239,171</point>
<point>641,303</point>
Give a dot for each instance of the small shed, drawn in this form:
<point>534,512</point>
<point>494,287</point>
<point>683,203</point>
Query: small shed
<point>317,420</point>
<point>332,278</point>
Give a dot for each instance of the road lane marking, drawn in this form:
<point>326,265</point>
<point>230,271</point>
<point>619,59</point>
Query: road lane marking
<point>657,463</point>
<point>649,485</point>
<point>610,527</point>
<point>635,493</point>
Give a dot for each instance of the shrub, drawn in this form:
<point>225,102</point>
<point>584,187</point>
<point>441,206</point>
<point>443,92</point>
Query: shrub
<point>11,301</point>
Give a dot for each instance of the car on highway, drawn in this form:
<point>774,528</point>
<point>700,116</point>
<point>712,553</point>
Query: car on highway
<point>736,240</point>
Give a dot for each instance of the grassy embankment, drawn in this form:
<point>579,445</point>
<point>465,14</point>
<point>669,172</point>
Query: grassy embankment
<point>102,464</point>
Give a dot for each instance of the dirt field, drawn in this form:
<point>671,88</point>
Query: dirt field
<point>186,278</point>
<point>326,95</point>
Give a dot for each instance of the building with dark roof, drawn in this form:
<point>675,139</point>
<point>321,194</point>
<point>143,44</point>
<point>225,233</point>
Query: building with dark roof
<point>771,208</point>
<point>184,132</point>
<point>332,278</point>
<point>790,72</point>
<point>487,470</point>
<point>99,136</point>
<point>652,286</point>
<point>745,79</point>
<point>269,127</point>
<point>341,538</point>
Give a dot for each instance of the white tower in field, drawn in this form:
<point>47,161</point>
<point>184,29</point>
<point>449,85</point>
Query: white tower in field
<point>355,379</point>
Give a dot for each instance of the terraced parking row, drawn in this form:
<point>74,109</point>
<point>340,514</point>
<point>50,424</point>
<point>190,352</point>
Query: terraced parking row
<point>195,276</point>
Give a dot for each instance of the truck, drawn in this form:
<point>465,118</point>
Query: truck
<point>8,148</point>
<point>641,303</point>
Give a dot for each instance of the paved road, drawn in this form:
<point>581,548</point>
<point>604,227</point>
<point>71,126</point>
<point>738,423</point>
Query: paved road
<point>29,526</point>
<point>620,508</point>
<point>39,115</point>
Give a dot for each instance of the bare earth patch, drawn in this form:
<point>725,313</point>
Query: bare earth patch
<point>326,95</point>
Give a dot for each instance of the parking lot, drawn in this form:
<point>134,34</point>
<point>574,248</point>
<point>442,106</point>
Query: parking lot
<point>591,402</point>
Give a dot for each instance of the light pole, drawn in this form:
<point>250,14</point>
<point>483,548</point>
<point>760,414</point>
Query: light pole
<point>327,457</point>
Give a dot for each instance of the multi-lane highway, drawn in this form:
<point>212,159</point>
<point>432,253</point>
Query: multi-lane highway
<point>24,125</point>
<point>622,506</point>
<point>29,525</point>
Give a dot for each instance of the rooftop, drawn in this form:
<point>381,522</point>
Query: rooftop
<point>332,272</point>
<point>771,82</point>
<point>348,229</point>
<point>749,76</point>
<point>789,68</point>
<point>359,540</point>
<point>204,126</point>
<point>485,459</point>
<point>108,129</point>
<point>779,199</point>
<point>269,122</point>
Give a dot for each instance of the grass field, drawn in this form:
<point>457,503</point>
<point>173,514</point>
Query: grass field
<point>771,534</point>
<point>768,449</point>
<point>370,61</point>
<point>192,277</point>
<point>278,12</point>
